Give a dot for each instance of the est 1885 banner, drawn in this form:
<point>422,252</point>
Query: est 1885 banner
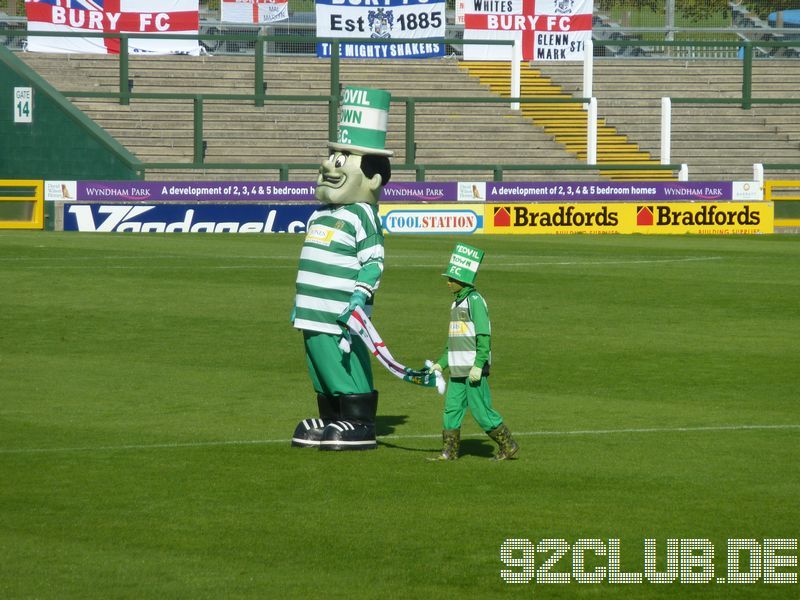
<point>420,20</point>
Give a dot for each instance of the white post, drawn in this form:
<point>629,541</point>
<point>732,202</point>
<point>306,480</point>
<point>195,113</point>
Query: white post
<point>588,70</point>
<point>683,174</point>
<point>516,58</point>
<point>666,130</point>
<point>591,133</point>
<point>758,174</point>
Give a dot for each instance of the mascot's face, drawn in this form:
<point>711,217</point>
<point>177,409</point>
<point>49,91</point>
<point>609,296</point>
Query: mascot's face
<point>341,181</point>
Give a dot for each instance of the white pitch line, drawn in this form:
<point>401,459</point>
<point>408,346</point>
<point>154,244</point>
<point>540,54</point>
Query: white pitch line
<point>152,267</point>
<point>269,264</point>
<point>600,263</point>
<point>431,436</point>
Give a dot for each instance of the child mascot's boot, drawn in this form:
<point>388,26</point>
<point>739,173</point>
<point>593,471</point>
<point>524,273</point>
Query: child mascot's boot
<point>451,441</point>
<point>308,432</point>
<point>506,446</point>
<point>355,429</point>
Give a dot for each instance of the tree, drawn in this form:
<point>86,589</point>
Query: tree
<point>763,9</point>
<point>699,9</point>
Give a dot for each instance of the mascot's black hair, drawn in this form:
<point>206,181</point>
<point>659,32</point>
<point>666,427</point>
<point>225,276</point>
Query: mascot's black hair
<point>372,164</point>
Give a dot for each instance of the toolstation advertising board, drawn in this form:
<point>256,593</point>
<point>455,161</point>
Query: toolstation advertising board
<point>459,208</point>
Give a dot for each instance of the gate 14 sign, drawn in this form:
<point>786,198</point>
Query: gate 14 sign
<point>23,105</point>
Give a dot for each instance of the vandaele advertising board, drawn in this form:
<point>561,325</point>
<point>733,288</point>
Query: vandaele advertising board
<point>187,218</point>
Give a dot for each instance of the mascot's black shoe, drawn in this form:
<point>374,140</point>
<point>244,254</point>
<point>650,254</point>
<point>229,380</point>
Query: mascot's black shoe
<point>356,429</point>
<point>308,432</point>
<point>348,435</point>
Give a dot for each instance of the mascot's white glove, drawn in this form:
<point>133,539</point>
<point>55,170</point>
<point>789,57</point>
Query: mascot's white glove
<point>358,299</point>
<point>475,374</point>
<point>436,369</point>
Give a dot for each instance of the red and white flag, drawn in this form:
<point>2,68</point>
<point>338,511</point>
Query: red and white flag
<point>114,16</point>
<point>255,11</point>
<point>549,30</point>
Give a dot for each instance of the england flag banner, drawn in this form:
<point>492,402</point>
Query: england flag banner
<point>255,11</point>
<point>548,30</point>
<point>422,20</point>
<point>114,16</point>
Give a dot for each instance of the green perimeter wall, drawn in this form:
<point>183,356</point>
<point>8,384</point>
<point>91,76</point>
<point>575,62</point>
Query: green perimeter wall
<point>62,142</point>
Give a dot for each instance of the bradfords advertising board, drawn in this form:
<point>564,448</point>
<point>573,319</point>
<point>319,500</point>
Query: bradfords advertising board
<point>651,218</point>
<point>431,218</point>
<point>186,218</point>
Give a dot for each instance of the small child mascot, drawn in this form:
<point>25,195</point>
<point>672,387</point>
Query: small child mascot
<point>468,356</point>
<point>341,264</point>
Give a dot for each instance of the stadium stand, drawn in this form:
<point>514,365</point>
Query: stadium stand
<point>161,130</point>
<point>718,142</point>
<point>567,123</point>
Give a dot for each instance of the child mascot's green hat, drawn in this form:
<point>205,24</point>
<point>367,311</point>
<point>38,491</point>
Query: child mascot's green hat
<point>363,120</point>
<point>464,263</point>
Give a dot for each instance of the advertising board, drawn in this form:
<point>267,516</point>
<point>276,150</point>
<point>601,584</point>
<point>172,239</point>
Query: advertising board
<point>630,217</point>
<point>187,218</point>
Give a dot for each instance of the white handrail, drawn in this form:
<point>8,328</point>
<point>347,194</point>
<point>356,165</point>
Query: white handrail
<point>758,173</point>
<point>588,70</point>
<point>591,133</point>
<point>516,58</point>
<point>666,130</point>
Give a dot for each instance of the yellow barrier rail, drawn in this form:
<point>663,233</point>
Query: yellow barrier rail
<point>21,204</point>
<point>787,191</point>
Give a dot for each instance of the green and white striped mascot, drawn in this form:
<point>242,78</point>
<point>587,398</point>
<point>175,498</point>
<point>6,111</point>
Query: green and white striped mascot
<point>341,264</point>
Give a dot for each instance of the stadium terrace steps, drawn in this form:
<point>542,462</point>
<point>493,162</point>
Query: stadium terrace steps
<point>236,131</point>
<point>717,141</point>
<point>567,123</point>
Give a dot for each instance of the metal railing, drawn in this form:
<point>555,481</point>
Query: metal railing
<point>259,97</point>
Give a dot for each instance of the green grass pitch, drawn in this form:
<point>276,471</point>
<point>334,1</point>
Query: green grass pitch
<point>149,385</point>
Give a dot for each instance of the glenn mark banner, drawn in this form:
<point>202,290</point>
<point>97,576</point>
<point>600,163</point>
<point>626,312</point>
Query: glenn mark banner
<point>549,30</point>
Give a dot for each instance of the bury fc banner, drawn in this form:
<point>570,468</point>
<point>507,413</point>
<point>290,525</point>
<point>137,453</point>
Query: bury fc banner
<point>114,16</point>
<point>549,30</point>
<point>421,20</point>
<point>255,11</point>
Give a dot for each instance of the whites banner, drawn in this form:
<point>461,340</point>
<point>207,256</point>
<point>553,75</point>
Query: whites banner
<point>549,30</point>
<point>113,16</point>
<point>402,19</point>
<point>255,11</point>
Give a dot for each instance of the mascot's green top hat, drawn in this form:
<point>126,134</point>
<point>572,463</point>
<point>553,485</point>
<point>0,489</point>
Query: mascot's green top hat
<point>464,263</point>
<point>362,121</point>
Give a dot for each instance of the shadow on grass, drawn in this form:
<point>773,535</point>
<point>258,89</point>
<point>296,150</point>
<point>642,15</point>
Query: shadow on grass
<point>386,424</point>
<point>472,447</point>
